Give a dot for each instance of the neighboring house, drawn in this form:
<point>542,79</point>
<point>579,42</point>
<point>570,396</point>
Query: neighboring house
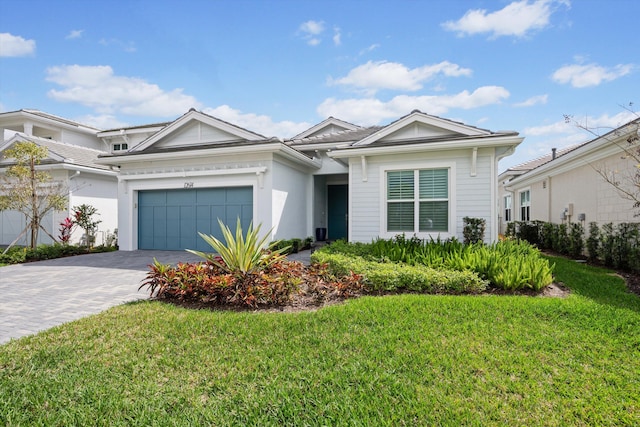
<point>566,186</point>
<point>419,175</point>
<point>72,153</point>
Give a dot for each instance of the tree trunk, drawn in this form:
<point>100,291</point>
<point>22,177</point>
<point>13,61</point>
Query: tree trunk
<point>35,221</point>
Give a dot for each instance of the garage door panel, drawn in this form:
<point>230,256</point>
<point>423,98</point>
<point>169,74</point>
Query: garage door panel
<point>240,196</point>
<point>171,219</point>
<point>145,226</point>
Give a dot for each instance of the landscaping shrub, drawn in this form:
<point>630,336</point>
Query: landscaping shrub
<point>473,229</point>
<point>18,254</point>
<point>615,246</point>
<point>210,283</point>
<point>395,277</point>
<point>510,264</point>
<point>240,254</point>
<point>593,241</point>
<point>291,246</point>
<point>576,239</point>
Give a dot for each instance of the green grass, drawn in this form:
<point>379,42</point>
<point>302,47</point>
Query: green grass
<point>397,360</point>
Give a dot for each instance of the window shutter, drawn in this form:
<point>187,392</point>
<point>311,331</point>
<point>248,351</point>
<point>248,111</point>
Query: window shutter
<point>400,216</point>
<point>400,185</point>
<point>434,216</point>
<point>434,184</point>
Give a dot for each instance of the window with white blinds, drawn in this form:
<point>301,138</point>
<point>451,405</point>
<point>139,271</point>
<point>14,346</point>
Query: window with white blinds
<point>418,200</point>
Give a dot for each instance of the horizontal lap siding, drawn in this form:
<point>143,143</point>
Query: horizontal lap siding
<point>364,217</point>
<point>473,195</point>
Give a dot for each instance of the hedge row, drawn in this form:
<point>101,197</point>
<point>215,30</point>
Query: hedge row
<point>392,277</point>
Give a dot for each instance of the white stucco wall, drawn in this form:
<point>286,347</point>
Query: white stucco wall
<point>578,184</point>
<point>86,188</point>
<point>292,197</point>
<point>98,191</point>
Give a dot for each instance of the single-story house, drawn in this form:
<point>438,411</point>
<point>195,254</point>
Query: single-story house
<point>420,174</point>
<point>566,185</point>
<point>73,150</point>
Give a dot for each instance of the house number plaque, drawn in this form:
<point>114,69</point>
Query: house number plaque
<point>188,185</point>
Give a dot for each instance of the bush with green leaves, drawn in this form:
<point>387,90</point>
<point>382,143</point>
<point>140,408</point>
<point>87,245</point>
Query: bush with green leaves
<point>18,255</point>
<point>509,264</point>
<point>209,282</point>
<point>473,229</point>
<point>397,277</point>
<point>292,246</point>
<point>240,254</point>
<point>593,241</point>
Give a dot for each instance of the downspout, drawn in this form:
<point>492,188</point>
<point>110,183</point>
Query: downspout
<point>549,209</point>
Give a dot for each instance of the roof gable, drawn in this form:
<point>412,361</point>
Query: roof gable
<point>327,127</point>
<point>419,125</point>
<point>196,128</point>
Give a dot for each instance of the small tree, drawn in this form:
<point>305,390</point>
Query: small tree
<point>627,138</point>
<point>83,217</point>
<point>29,190</point>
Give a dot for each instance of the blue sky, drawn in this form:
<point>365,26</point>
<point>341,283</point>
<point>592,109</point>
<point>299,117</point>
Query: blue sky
<point>279,67</point>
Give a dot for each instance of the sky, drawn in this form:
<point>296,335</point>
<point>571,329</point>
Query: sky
<point>280,67</point>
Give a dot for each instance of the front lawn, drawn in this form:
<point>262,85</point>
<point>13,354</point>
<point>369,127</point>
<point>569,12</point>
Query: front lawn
<point>393,360</point>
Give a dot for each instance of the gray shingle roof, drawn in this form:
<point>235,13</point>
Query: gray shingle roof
<point>343,136</point>
<point>71,154</point>
<point>539,161</point>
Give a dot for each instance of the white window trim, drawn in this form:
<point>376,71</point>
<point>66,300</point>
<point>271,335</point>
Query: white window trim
<point>451,166</point>
<point>510,208</point>
<point>524,190</point>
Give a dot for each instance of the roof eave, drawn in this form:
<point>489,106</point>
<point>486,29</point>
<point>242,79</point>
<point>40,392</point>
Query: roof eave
<point>272,147</point>
<point>427,146</point>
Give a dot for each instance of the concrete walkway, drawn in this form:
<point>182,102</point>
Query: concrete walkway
<point>39,295</point>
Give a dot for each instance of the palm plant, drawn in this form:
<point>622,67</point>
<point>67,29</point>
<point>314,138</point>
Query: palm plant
<point>241,254</point>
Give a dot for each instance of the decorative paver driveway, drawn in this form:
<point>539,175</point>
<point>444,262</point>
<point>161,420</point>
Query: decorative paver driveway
<point>38,295</point>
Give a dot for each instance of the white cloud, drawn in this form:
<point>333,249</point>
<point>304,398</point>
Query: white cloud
<point>312,27</point>
<point>534,100</point>
<point>599,125</point>
<point>371,111</point>
<point>373,76</point>
<point>369,49</point>
<point>99,88</point>
<point>337,36</point>
<point>310,31</point>
<point>516,19</point>
<point>579,75</point>
<point>12,46</point>
<point>539,140</point>
<point>74,34</point>
<point>261,124</point>
<point>129,46</point>
<point>104,121</point>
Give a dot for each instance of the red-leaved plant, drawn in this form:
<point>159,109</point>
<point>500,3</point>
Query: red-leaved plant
<point>66,228</point>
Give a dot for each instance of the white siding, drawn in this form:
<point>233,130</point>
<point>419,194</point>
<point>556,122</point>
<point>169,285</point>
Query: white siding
<point>470,195</point>
<point>195,133</point>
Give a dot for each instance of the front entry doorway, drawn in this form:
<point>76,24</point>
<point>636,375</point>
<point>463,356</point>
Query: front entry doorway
<point>337,211</point>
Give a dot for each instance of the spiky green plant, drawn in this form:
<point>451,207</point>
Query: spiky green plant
<point>240,254</point>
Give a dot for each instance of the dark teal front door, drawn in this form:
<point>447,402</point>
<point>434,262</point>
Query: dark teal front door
<point>171,219</point>
<point>337,211</point>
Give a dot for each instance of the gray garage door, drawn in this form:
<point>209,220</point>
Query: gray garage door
<point>171,219</point>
